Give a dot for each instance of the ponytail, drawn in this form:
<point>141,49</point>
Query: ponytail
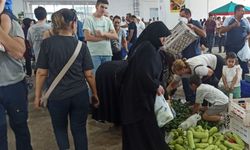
<point>61,19</point>
<point>180,64</point>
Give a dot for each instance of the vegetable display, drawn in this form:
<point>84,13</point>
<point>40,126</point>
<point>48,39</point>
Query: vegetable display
<point>198,138</point>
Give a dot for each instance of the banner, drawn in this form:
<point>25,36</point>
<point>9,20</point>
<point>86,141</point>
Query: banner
<point>176,5</point>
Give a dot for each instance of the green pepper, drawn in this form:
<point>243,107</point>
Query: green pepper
<point>205,140</point>
<point>190,139</point>
<point>200,135</point>
<point>201,145</point>
<point>218,140</point>
<point>213,130</point>
<point>210,147</point>
<point>222,147</point>
<point>179,140</point>
<point>210,140</point>
<point>238,140</point>
<point>178,147</point>
<point>197,140</point>
<point>233,145</point>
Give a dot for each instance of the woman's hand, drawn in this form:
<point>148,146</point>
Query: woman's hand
<point>37,102</point>
<point>95,101</point>
<point>160,90</point>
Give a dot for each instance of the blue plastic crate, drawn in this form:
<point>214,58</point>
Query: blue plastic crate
<point>245,88</point>
<point>247,77</point>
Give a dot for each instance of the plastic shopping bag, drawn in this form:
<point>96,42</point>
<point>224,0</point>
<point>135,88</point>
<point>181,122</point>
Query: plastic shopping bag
<point>162,111</point>
<point>244,53</point>
<point>190,122</point>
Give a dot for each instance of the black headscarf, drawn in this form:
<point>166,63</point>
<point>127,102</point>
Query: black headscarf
<point>151,33</point>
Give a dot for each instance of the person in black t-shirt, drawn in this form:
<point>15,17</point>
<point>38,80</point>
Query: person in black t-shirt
<point>70,97</point>
<point>132,30</point>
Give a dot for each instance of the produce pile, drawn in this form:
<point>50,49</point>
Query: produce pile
<point>202,139</point>
<point>182,113</point>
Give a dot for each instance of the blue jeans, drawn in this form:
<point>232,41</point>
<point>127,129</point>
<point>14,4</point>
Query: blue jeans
<point>98,60</point>
<point>76,107</point>
<point>14,102</point>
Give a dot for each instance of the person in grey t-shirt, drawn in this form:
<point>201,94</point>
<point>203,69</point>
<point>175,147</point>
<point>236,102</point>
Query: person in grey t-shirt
<point>13,89</point>
<point>35,32</point>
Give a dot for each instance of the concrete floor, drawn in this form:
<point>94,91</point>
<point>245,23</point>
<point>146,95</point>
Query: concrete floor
<point>100,136</point>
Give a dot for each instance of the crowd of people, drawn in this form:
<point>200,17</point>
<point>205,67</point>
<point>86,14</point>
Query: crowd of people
<point>123,62</point>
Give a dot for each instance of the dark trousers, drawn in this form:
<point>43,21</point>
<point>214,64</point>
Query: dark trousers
<point>14,102</point>
<point>220,42</point>
<point>189,94</point>
<point>210,41</point>
<point>76,107</point>
<point>117,56</point>
<point>244,67</point>
<point>28,66</point>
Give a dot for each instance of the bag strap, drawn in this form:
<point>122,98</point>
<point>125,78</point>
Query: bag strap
<point>196,67</point>
<point>64,70</point>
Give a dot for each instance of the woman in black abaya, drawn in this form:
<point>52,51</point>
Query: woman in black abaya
<point>140,85</point>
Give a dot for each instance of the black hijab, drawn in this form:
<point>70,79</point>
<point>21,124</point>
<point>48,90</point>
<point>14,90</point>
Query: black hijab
<point>151,33</point>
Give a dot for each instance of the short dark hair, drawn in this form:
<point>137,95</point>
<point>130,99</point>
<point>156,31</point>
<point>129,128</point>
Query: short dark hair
<point>186,10</point>
<point>133,16</point>
<point>40,13</point>
<point>129,14</point>
<point>237,7</point>
<point>195,79</point>
<point>102,2</point>
<point>231,55</point>
<point>116,17</point>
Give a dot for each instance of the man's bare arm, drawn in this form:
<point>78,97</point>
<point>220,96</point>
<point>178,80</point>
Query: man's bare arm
<point>15,46</point>
<point>89,37</point>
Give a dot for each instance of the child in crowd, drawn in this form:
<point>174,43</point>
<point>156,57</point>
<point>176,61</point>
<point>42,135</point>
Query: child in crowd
<point>231,76</point>
<point>218,100</point>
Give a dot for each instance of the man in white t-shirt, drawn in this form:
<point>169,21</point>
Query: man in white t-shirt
<point>140,25</point>
<point>35,32</point>
<point>98,31</point>
<point>211,94</point>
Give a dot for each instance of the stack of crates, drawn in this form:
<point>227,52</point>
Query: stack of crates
<point>240,119</point>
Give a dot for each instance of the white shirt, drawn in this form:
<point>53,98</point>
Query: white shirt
<point>140,27</point>
<point>210,94</point>
<point>218,23</point>
<point>205,60</point>
<point>229,74</point>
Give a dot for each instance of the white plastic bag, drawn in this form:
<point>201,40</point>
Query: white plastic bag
<point>190,122</point>
<point>162,111</point>
<point>244,53</point>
